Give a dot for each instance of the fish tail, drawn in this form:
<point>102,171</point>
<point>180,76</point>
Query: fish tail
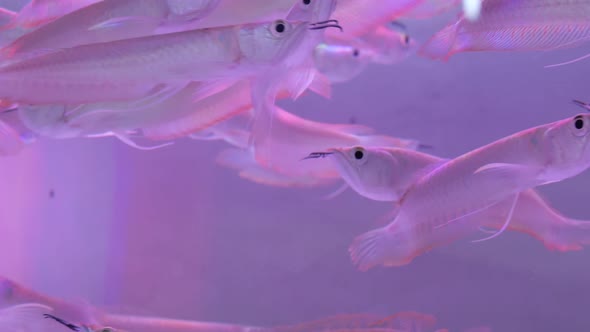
<point>376,247</point>
<point>568,235</point>
<point>440,46</point>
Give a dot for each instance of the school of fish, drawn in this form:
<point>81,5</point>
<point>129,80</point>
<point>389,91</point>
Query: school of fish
<point>160,70</point>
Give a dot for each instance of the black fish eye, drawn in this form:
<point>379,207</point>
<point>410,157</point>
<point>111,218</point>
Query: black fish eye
<point>579,122</point>
<point>356,52</point>
<point>306,2</point>
<point>358,154</point>
<point>280,27</point>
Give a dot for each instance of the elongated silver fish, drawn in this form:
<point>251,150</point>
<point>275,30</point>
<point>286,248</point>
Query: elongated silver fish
<point>514,25</point>
<point>133,68</point>
<point>107,21</point>
<point>494,174</point>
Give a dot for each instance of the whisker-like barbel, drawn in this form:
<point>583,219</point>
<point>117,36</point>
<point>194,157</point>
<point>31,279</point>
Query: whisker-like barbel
<point>582,104</point>
<point>325,22</point>
<point>61,321</point>
<point>318,27</point>
<point>315,155</point>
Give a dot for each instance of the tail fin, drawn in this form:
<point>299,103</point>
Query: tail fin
<point>373,248</point>
<point>569,235</point>
<point>440,46</point>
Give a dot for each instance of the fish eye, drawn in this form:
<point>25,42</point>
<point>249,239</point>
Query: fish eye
<point>359,154</point>
<point>279,28</point>
<point>356,53</point>
<point>580,125</point>
<point>306,2</point>
<point>107,329</point>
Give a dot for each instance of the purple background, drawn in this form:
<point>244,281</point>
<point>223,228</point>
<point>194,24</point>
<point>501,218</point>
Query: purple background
<point>170,233</point>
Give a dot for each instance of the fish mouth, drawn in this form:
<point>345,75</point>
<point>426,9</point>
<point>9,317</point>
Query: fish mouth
<point>326,24</point>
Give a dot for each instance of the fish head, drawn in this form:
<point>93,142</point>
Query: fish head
<point>569,146</point>
<point>272,43</point>
<point>191,10</point>
<point>311,10</point>
<point>390,43</point>
<point>47,120</point>
<point>341,63</point>
<point>371,172</point>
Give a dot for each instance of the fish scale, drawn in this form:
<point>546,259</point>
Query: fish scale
<point>515,25</point>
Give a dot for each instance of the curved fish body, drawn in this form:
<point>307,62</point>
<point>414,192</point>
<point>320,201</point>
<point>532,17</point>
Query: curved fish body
<point>478,180</point>
<point>277,159</point>
<point>131,68</point>
<point>165,115</point>
<point>363,322</point>
<point>291,138</point>
<point>386,174</point>
<point>105,21</point>
<point>514,25</point>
